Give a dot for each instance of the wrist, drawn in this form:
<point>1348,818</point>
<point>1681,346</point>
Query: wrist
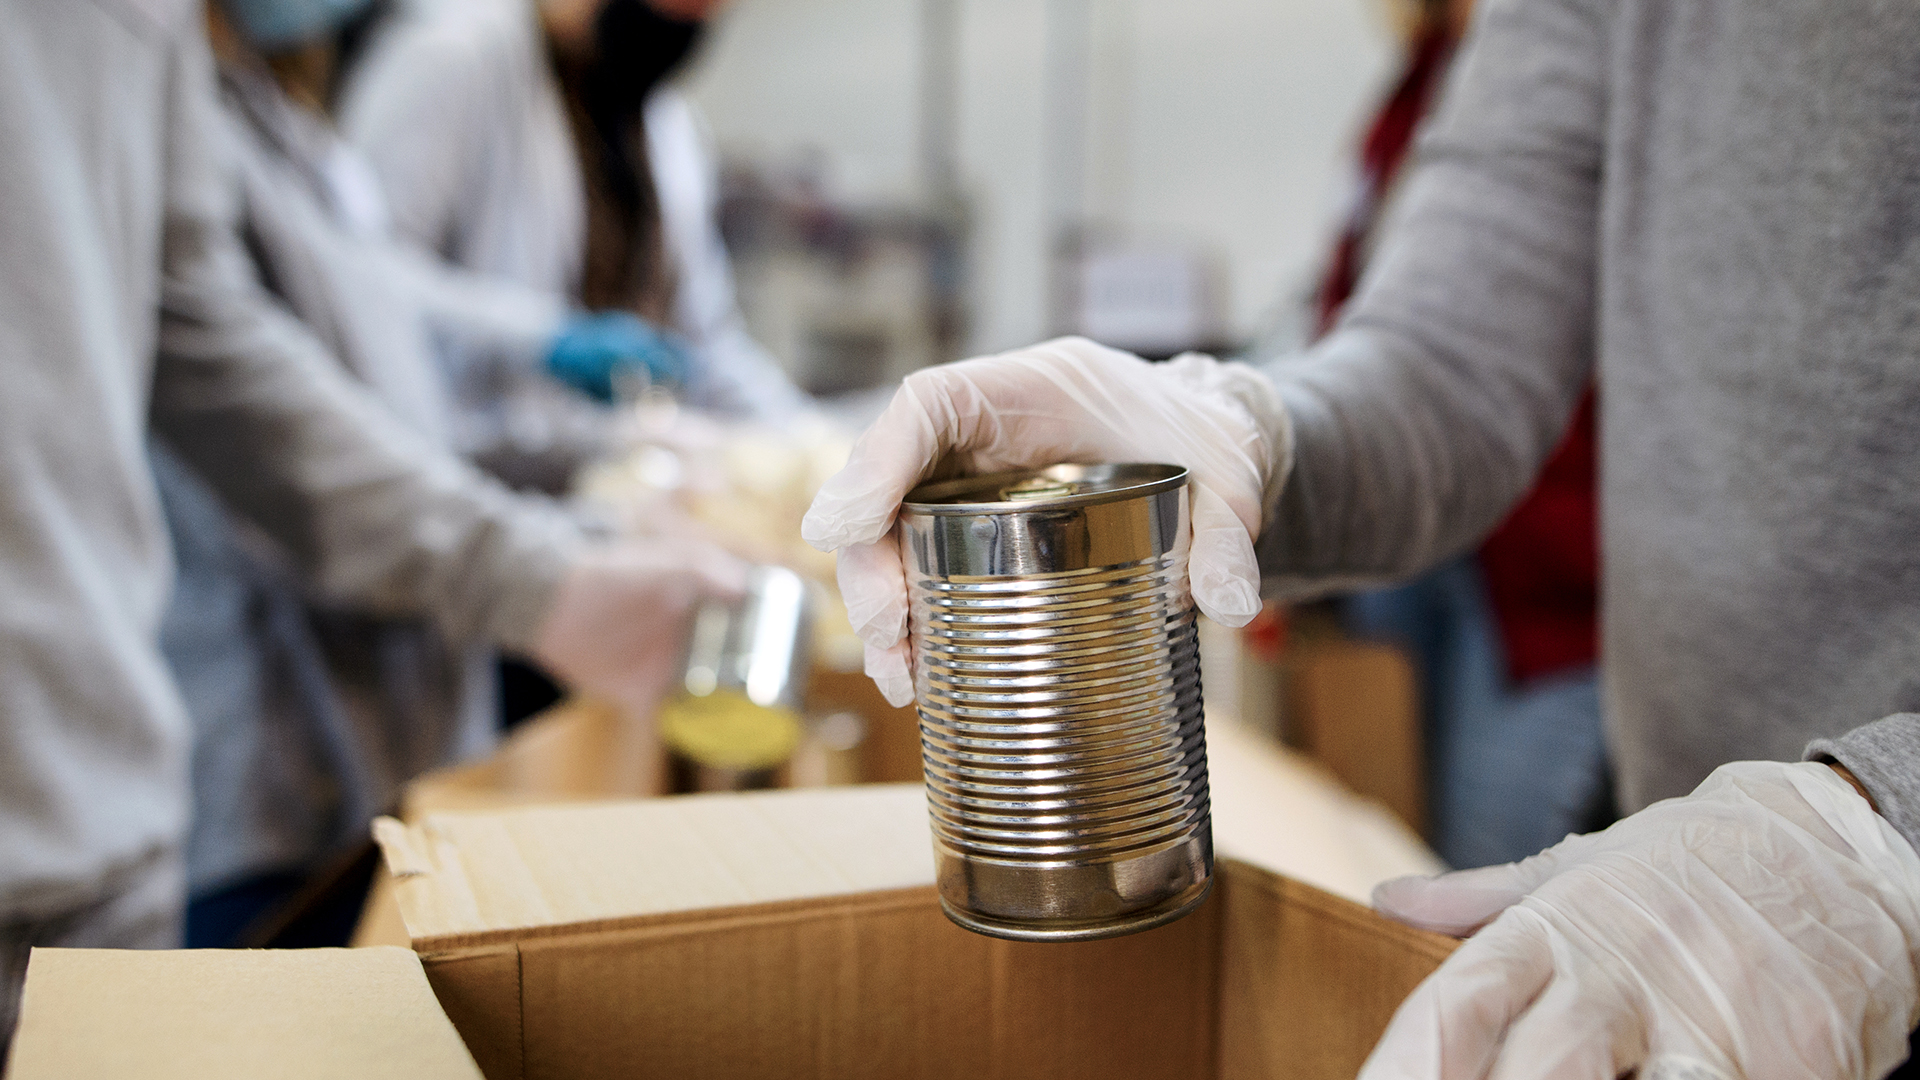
<point>1854,781</point>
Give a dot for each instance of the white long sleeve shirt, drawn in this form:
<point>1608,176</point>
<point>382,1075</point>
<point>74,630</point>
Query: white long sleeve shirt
<point>457,107</point>
<point>125,300</point>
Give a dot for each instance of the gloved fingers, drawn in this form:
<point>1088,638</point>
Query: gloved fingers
<point>873,585</point>
<point>1063,400</point>
<point>1457,903</point>
<point>594,351</point>
<point>1454,1023</point>
<point>857,504</point>
<point>1669,1066</point>
<point>1578,1029</point>
<point>669,360</point>
<point>1262,456</point>
<point>1221,567</point>
<point>1462,901</point>
<point>617,618</point>
<point>891,669</point>
<point>718,573</point>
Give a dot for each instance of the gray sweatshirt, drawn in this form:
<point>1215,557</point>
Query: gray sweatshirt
<point>1712,206</point>
<point>125,300</point>
<point>307,717</point>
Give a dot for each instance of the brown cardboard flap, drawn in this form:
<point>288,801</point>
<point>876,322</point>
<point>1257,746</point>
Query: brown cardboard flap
<point>479,989</point>
<point>1277,809</point>
<point>1308,980</point>
<point>874,985</point>
<point>579,750</point>
<point>209,1014</point>
<point>1270,979</point>
<point>796,934</point>
<point>457,873</point>
<point>1356,709</point>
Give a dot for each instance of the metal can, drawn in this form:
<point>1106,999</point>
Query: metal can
<point>736,714</point>
<point>1057,678</point>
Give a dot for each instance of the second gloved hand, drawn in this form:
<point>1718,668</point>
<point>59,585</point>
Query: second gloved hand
<point>592,348</point>
<point>618,622</point>
<point>1068,400</point>
<point>1764,926</point>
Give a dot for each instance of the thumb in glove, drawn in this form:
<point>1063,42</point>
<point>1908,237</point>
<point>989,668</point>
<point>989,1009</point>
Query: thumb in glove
<point>1766,925</point>
<point>1064,401</point>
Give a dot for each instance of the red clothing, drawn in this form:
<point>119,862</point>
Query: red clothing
<point>1389,138</point>
<point>1541,565</point>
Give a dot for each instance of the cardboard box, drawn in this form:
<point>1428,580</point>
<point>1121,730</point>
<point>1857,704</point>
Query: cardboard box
<point>777,934</point>
<point>294,1014</point>
<point>1355,708</point>
<point>797,933</point>
<point>585,751</point>
<point>1330,838</point>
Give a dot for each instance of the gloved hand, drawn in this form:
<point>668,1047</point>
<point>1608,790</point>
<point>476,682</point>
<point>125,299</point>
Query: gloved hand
<point>618,622</point>
<point>1765,925</point>
<point>592,347</point>
<point>1068,400</point>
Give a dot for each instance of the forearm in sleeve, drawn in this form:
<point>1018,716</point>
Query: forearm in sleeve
<point>476,317</point>
<point>374,513</point>
<point>1456,368</point>
<point>1885,757</point>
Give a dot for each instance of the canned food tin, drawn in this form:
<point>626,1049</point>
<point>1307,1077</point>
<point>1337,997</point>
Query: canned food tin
<point>736,713</point>
<point>1057,678</point>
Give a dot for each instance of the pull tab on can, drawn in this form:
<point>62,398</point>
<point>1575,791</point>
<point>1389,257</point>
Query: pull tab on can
<point>1057,678</point>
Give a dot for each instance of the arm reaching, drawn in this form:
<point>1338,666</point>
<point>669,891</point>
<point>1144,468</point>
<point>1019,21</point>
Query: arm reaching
<point>375,513</point>
<point>1066,400</point>
<point>1401,439</point>
<point>1427,414</point>
<point>1766,925</point>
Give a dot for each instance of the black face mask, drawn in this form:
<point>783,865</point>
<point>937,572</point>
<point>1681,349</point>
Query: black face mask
<point>635,48</point>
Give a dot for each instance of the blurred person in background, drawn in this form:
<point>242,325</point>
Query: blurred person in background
<point>542,141</point>
<point>1505,638</point>
<point>129,305</point>
<point>1706,207</point>
<point>308,716</point>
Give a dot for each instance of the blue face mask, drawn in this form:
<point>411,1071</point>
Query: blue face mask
<point>269,25</point>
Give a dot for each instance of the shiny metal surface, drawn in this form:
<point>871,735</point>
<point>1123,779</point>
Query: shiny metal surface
<point>736,715</point>
<point>1057,679</point>
<point>755,645</point>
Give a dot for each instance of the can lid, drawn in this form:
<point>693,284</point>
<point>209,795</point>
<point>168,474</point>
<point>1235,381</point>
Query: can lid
<point>1054,487</point>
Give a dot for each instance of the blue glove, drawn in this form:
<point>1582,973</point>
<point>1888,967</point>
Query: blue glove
<point>272,25</point>
<point>591,347</point>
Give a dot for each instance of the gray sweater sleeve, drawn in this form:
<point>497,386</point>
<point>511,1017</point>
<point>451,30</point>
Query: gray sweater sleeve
<point>375,513</point>
<point>1885,757</point>
<point>1456,368</point>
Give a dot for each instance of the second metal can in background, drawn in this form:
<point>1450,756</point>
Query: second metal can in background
<point>736,715</point>
<point>1057,678</point>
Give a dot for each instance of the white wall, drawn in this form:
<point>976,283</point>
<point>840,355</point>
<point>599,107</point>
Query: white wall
<point>1227,124</point>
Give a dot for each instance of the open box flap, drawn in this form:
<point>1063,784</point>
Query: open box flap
<point>461,873</point>
<point>108,1014</point>
<point>1271,979</point>
<point>473,872</point>
<point>797,934</point>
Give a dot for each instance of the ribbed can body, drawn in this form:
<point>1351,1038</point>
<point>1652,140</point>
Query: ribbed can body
<point>1058,688</point>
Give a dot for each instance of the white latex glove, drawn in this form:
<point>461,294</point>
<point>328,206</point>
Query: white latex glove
<point>618,624</point>
<point>1763,926</point>
<point>1068,400</point>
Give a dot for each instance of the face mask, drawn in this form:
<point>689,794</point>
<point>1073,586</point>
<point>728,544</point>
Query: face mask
<point>272,25</point>
<point>635,48</point>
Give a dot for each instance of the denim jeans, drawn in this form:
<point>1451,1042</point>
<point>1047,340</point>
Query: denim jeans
<point>1510,769</point>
